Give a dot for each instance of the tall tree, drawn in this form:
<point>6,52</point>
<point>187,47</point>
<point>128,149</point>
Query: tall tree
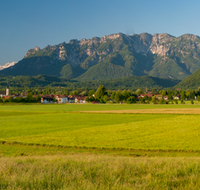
<point>101,91</point>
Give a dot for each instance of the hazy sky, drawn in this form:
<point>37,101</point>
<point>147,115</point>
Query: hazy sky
<point>25,24</point>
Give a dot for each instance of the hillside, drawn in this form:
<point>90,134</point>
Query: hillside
<point>191,82</point>
<point>114,56</point>
<point>129,82</point>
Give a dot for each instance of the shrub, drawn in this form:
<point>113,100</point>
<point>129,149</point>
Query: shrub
<point>162,101</point>
<point>176,101</point>
<point>182,102</point>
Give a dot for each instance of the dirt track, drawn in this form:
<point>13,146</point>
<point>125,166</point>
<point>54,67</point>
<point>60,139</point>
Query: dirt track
<point>162,111</point>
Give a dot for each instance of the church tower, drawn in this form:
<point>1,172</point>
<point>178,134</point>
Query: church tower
<point>7,90</point>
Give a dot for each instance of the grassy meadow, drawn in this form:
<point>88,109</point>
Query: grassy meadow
<point>99,172</point>
<point>74,146</point>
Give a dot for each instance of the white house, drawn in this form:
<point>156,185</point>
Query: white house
<point>80,99</point>
<point>77,98</point>
<point>176,97</point>
<point>165,98</point>
<point>61,99</point>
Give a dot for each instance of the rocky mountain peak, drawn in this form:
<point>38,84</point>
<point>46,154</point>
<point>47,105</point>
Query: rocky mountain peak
<point>36,48</point>
<point>73,41</point>
<point>189,37</point>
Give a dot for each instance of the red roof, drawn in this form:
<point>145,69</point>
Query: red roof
<point>81,98</point>
<point>60,96</point>
<point>5,97</point>
<point>149,95</point>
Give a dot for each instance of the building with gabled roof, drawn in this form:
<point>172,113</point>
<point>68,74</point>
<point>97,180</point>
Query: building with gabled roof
<point>61,98</point>
<point>47,99</point>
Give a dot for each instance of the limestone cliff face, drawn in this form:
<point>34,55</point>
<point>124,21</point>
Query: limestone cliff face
<point>161,44</point>
<point>164,44</point>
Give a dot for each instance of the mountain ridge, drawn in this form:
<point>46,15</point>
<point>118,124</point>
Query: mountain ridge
<point>114,56</point>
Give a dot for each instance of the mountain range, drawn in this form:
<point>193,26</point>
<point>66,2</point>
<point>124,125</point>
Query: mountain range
<point>114,56</point>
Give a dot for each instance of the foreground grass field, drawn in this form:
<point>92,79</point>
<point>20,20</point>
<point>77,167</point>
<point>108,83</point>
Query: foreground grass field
<point>99,172</point>
<point>121,147</point>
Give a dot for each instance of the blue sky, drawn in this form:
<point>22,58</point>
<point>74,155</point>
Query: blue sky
<point>26,24</point>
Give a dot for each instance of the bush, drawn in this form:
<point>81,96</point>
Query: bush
<point>176,101</point>
<point>182,102</point>
<point>162,101</point>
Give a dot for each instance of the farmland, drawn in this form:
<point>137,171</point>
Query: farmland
<point>87,137</point>
<point>88,107</point>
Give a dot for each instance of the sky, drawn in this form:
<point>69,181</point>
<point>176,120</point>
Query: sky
<point>26,24</point>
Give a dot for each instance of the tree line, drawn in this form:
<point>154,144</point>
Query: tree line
<point>102,95</point>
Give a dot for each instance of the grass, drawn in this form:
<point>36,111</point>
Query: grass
<point>137,131</point>
<point>28,150</point>
<point>63,147</point>
<point>87,107</point>
<point>99,172</point>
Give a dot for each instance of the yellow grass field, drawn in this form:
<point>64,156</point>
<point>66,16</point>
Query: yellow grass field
<point>99,147</point>
<point>150,111</point>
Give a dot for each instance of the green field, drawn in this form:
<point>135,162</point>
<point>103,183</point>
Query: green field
<point>137,131</point>
<point>88,107</point>
<point>66,132</point>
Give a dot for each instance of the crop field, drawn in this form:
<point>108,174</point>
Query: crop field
<point>33,135</point>
<point>89,107</point>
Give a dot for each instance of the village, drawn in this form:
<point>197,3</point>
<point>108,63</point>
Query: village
<point>45,99</point>
<point>111,97</point>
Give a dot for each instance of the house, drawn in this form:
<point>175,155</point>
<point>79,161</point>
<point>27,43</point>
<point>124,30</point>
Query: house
<point>5,93</point>
<point>165,97</point>
<point>80,99</point>
<point>5,97</point>
<point>159,96</point>
<point>47,99</point>
<point>15,96</point>
<point>177,97</point>
<point>71,100</point>
<point>61,99</point>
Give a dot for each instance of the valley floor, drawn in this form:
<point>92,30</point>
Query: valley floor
<point>99,146</point>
